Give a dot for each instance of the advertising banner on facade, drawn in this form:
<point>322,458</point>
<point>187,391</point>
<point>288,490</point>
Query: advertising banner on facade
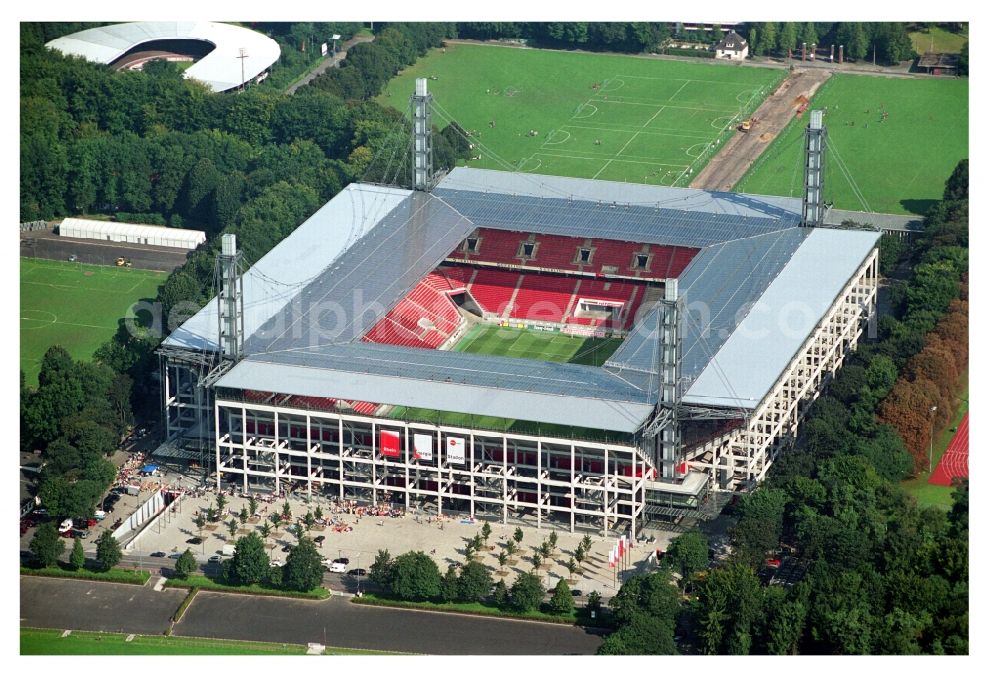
<point>389,441</point>
<point>423,447</point>
<point>456,449</point>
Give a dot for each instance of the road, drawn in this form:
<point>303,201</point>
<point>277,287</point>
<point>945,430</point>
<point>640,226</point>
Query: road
<point>103,606</point>
<point>46,244</point>
<point>728,166</point>
<point>329,62</point>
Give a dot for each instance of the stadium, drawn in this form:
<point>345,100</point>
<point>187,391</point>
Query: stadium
<point>225,56</point>
<point>521,347</point>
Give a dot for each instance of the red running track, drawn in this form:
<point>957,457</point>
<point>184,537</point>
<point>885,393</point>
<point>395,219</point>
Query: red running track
<point>955,461</point>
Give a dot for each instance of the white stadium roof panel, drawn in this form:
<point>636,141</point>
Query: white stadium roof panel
<point>220,69</point>
<point>749,363</point>
<point>278,277</point>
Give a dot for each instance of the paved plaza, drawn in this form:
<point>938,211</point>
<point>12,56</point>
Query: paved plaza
<point>444,539</point>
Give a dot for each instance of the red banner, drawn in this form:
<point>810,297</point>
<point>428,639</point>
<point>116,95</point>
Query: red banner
<point>389,441</point>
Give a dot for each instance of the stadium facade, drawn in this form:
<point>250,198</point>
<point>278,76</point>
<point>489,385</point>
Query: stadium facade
<point>326,367</point>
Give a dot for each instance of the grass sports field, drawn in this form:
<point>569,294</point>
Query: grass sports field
<point>51,642</point>
<point>527,344</point>
<point>896,165</point>
<point>655,119</point>
<point>76,306</point>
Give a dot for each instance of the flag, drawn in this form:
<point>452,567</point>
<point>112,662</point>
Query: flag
<point>611,558</point>
<point>621,546</point>
<point>389,441</point>
<point>423,447</point>
<point>456,450</point>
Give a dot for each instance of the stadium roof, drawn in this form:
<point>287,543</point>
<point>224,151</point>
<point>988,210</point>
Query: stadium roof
<point>220,69</point>
<point>279,276</point>
<point>131,232</point>
<point>314,295</point>
<point>504,387</point>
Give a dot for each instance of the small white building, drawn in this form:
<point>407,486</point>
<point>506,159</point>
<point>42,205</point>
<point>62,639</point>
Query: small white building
<point>133,233</point>
<point>732,46</point>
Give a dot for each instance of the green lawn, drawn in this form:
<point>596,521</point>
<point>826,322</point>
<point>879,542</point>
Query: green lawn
<point>655,120</point>
<point>526,344</point>
<point>928,494</point>
<point>76,306</point>
<point>938,41</point>
<point>898,165</point>
<point>50,642</point>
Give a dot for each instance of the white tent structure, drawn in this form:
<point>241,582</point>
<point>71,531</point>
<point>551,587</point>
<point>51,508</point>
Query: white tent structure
<point>132,233</point>
<point>221,69</point>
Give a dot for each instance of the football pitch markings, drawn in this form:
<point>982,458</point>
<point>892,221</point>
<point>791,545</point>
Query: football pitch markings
<point>619,128</point>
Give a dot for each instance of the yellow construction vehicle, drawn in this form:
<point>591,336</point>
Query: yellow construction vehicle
<point>123,262</point>
<point>747,124</point>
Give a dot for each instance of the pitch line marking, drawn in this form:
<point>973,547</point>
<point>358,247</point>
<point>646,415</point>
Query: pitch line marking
<point>656,131</point>
<point>627,159</point>
<point>686,83</point>
<point>675,79</point>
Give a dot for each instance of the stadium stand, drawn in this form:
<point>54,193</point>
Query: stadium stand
<point>403,326</point>
<point>494,289</point>
<point>544,298</point>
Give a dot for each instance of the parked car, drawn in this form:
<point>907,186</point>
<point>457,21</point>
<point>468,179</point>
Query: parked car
<point>276,564</point>
<point>576,592</point>
<point>337,568</point>
<point>286,548</point>
<point>100,514</point>
<point>319,539</point>
<point>194,541</point>
<point>343,560</point>
<point>72,258</point>
<point>215,558</point>
<point>358,572</point>
<point>175,555</point>
<point>159,555</point>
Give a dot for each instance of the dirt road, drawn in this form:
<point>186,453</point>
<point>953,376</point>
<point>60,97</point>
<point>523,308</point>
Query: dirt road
<point>330,61</point>
<point>730,163</point>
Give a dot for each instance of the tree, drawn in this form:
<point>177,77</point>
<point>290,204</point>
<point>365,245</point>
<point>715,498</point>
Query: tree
<point>185,564</point>
<point>510,546</point>
<point>477,542</point>
<point>76,557</point>
<point>250,561</point>
<point>536,562</point>
<point>768,38</point>
<point>502,560</point>
<point>308,520</point>
<point>760,521</point>
<point>500,594</point>
<point>298,531</point>
<point>286,511</point>
<point>318,512</point>
<point>587,542</point>
<point>109,552</point>
<point>788,37</point>
<point>244,516</point>
<point>571,567</point>
<point>415,577</point>
<point>687,555</point>
<point>449,586</point>
<point>232,526</point>
<point>212,514</point>
<point>643,635</point>
<point>957,187</point>
<point>553,539</point>
<point>303,570</point>
<point>381,568</point>
<point>253,505</point>
<point>580,554</point>
<point>265,530</point>
<point>518,536</point>
<point>275,520</point>
<point>474,582</point>
<point>46,545</point>
<point>486,532</point>
<point>469,552</point>
<point>220,502</point>
<point>562,600</point>
<point>594,601</point>
<point>526,593</point>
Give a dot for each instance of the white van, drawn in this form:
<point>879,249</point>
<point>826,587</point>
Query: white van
<point>337,568</point>
<point>228,550</point>
<point>66,525</point>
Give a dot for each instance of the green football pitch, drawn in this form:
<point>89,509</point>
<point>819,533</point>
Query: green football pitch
<point>76,306</point>
<point>52,642</point>
<point>526,344</point>
<point>612,117</point>
<point>893,142</point>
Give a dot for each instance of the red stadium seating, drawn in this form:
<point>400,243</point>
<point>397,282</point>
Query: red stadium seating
<point>544,298</point>
<point>494,289</point>
<point>401,326</point>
